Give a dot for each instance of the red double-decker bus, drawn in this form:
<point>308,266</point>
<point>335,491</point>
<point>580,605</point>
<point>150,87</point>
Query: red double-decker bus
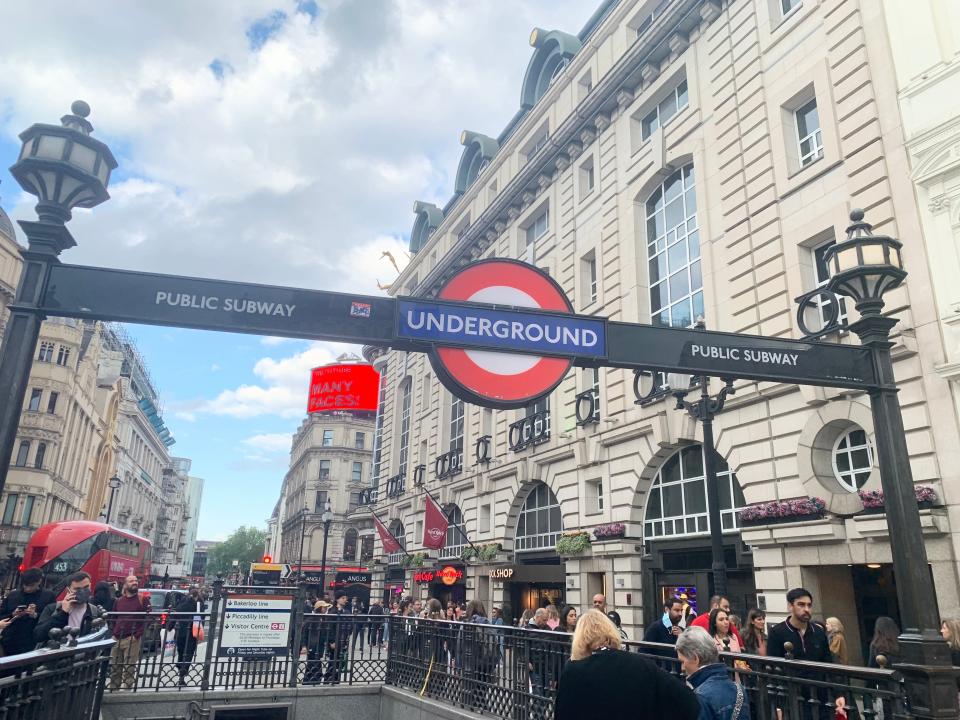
<point>106,553</point>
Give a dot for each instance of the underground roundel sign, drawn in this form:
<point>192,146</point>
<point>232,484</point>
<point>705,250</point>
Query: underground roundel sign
<point>502,379</point>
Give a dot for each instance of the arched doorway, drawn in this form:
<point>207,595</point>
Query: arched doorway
<point>538,576</point>
<point>676,533</point>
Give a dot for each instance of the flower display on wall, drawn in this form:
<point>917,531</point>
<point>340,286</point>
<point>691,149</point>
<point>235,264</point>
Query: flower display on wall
<point>779,509</point>
<point>873,499</point>
<point>610,530</point>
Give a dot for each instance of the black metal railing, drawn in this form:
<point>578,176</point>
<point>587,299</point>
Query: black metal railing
<point>448,464</point>
<point>531,430</point>
<point>63,683</point>
<point>587,407</point>
<point>397,485</point>
<point>499,671</point>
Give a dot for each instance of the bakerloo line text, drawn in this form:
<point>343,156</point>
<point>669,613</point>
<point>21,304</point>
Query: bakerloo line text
<point>745,354</point>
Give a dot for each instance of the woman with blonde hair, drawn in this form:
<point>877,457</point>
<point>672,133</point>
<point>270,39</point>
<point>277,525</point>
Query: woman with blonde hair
<point>601,680</point>
<point>838,643</point>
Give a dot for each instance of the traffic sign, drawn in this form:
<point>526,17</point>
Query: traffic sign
<point>501,379</point>
<point>284,571</point>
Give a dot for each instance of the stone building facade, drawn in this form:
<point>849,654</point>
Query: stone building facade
<point>330,458</point>
<point>67,441</point>
<point>671,160</point>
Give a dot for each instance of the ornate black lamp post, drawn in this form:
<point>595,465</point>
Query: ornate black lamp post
<point>327,518</point>
<point>705,409</point>
<point>65,168</point>
<point>863,268</point>
<point>115,484</point>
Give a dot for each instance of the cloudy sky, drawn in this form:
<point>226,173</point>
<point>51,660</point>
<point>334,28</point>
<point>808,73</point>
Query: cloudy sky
<point>278,142</point>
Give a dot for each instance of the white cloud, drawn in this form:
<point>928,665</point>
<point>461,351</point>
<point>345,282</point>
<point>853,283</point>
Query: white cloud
<point>215,367</point>
<point>283,387</point>
<point>270,442</point>
<point>296,163</point>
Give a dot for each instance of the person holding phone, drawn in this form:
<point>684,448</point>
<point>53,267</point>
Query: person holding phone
<point>22,609</point>
<point>668,629</point>
<point>74,611</point>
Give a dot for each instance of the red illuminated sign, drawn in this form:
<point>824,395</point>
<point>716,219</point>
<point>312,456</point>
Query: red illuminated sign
<point>448,575</point>
<point>343,387</point>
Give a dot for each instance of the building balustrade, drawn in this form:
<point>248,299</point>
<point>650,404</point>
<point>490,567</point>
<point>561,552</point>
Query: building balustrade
<point>397,485</point>
<point>587,406</point>
<point>529,431</point>
<point>448,464</point>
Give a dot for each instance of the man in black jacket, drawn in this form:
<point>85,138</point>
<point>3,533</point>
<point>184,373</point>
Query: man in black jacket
<point>74,611</point>
<point>189,630</point>
<point>375,632</point>
<point>809,643</point>
<point>809,639</point>
<point>24,607</point>
<point>667,629</point>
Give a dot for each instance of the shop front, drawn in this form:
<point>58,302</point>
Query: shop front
<point>446,583</point>
<point>393,585</point>
<point>530,584</point>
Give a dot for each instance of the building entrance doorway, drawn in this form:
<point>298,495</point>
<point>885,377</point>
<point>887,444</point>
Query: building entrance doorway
<point>682,567</point>
<point>875,595</point>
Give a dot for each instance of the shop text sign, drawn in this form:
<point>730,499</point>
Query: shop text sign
<point>256,625</point>
<point>504,573</point>
<point>448,575</point>
<point>344,387</point>
<point>481,327</point>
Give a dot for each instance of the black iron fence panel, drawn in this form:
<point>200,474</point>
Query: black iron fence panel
<point>64,683</point>
<point>499,671</point>
<point>495,670</point>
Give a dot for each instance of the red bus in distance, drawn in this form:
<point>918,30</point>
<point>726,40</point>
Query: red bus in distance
<point>60,549</point>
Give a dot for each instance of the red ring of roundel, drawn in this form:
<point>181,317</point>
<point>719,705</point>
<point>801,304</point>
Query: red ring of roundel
<point>504,390</point>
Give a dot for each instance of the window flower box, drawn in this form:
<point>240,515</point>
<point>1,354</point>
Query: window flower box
<point>782,511</point>
<point>874,504</point>
<point>610,531</point>
<point>573,543</point>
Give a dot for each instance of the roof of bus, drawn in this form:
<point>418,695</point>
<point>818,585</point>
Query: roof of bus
<point>69,532</point>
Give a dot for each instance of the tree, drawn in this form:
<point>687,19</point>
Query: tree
<point>244,545</point>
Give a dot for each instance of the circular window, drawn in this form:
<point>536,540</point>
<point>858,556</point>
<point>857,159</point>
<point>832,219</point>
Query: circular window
<point>852,459</point>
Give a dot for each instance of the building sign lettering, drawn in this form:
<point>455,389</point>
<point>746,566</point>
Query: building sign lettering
<point>504,573</point>
<point>494,328</point>
<point>744,354</point>
<point>241,305</point>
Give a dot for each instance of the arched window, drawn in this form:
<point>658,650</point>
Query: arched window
<point>852,459</point>
<point>456,541</point>
<point>677,502</point>
<point>673,252</point>
<point>540,523</point>
<point>350,545</point>
<point>397,530</point>
<point>554,49</point>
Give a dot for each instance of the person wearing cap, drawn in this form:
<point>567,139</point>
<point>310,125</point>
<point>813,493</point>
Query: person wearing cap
<point>313,643</point>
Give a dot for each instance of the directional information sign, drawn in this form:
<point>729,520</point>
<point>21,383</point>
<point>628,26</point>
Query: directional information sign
<point>256,625</point>
<point>500,334</point>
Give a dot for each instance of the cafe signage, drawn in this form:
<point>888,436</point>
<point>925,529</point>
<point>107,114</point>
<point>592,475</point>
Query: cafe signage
<point>448,575</point>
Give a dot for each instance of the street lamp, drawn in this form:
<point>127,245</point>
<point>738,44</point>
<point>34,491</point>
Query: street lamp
<point>114,484</point>
<point>64,167</point>
<point>704,410</point>
<point>863,268</point>
<point>327,517</point>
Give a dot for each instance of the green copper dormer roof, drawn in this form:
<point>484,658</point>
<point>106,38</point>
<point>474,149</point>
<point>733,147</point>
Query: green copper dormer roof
<point>429,217</point>
<point>554,49</point>
<point>477,150</point>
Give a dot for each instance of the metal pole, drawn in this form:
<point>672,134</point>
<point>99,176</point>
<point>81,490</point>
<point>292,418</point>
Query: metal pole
<point>323,560</point>
<point>113,491</point>
<point>20,340</point>
<point>924,655</point>
<point>713,490</point>
<point>303,535</point>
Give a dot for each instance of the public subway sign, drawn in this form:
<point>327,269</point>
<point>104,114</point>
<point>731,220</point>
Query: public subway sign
<point>501,333</point>
<point>515,347</point>
<point>350,386</point>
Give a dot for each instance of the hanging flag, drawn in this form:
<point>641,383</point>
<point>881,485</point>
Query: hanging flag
<point>434,524</point>
<point>390,543</point>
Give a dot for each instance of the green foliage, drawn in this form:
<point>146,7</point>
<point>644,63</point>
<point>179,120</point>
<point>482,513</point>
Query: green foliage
<point>489,551</point>
<point>244,545</point>
<point>415,560</point>
<point>573,544</point>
